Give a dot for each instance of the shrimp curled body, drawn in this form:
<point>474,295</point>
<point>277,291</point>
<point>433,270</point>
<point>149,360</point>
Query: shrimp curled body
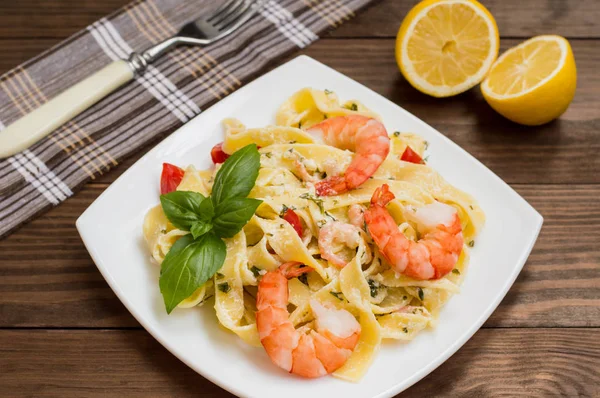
<point>302,352</point>
<point>338,233</point>
<point>431,257</point>
<point>366,137</point>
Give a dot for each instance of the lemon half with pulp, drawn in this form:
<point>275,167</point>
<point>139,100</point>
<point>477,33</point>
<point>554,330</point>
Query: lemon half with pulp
<point>534,82</point>
<point>445,47</point>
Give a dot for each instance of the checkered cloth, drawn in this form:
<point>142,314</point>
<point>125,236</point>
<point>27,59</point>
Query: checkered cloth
<point>171,92</point>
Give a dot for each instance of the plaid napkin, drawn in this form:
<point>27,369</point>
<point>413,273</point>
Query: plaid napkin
<point>172,91</point>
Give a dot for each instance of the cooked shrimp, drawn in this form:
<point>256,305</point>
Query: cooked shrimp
<point>431,257</point>
<point>313,354</point>
<point>356,215</point>
<point>366,137</point>
<point>302,165</point>
<point>335,234</point>
<point>303,173</point>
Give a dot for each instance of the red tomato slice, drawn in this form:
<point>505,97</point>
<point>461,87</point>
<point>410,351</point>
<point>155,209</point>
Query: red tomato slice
<point>411,156</point>
<point>291,217</point>
<point>170,178</point>
<point>217,154</point>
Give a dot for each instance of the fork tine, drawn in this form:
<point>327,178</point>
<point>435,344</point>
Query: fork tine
<point>239,22</point>
<point>222,10</point>
<point>234,16</point>
<point>231,11</point>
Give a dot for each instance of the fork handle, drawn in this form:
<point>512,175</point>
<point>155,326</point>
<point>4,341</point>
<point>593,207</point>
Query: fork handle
<point>65,106</point>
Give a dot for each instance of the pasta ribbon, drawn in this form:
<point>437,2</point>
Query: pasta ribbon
<point>237,136</point>
<point>309,106</point>
<point>387,305</point>
<point>229,292</point>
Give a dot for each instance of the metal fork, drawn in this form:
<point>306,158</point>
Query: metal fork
<point>205,30</point>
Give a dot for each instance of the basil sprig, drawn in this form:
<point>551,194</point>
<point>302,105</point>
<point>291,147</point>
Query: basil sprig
<point>197,256</point>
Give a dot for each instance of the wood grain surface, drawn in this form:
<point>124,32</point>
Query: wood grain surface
<point>515,18</point>
<point>509,362</point>
<point>64,333</point>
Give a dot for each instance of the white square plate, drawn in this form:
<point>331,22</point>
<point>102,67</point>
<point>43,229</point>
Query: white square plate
<point>111,229</point>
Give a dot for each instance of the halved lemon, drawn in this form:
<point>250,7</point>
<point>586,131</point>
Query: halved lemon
<point>534,82</point>
<point>445,47</point>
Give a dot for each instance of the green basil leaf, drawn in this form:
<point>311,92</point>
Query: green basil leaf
<point>207,210</point>
<point>200,228</point>
<point>183,208</point>
<point>236,178</point>
<point>188,265</point>
<point>232,215</point>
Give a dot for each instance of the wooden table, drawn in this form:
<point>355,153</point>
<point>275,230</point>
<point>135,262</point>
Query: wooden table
<point>63,332</point>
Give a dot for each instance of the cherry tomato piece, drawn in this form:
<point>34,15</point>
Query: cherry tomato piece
<point>411,156</point>
<point>170,178</point>
<point>291,217</point>
<point>217,154</point>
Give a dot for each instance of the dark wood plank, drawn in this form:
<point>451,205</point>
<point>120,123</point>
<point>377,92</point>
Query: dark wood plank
<point>48,280</point>
<point>563,151</point>
<point>51,18</point>
<point>515,18</point>
<point>561,278</point>
<point>524,362</point>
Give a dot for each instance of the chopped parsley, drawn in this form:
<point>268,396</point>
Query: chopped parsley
<point>220,275</point>
<point>330,216</point>
<point>405,330</point>
<point>255,271</point>
<point>315,200</point>
<point>471,243</point>
<point>300,124</point>
<point>352,107</point>
<point>328,92</point>
<point>471,207</point>
<point>455,271</point>
<point>321,223</point>
<point>396,134</point>
<point>421,294</point>
<point>373,287</point>
<point>337,295</point>
<point>270,234</point>
<point>224,287</point>
<point>426,145</point>
<point>268,154</point>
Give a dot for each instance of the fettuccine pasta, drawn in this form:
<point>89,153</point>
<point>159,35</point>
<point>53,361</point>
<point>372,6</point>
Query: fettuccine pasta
<point>350,268</point>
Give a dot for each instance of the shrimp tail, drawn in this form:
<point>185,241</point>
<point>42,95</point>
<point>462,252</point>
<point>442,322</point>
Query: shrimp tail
<point>331,186</point>
<point>309,355</point>
<point>433,255</point>
<point>382,196</point>
<point>293,269</point>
